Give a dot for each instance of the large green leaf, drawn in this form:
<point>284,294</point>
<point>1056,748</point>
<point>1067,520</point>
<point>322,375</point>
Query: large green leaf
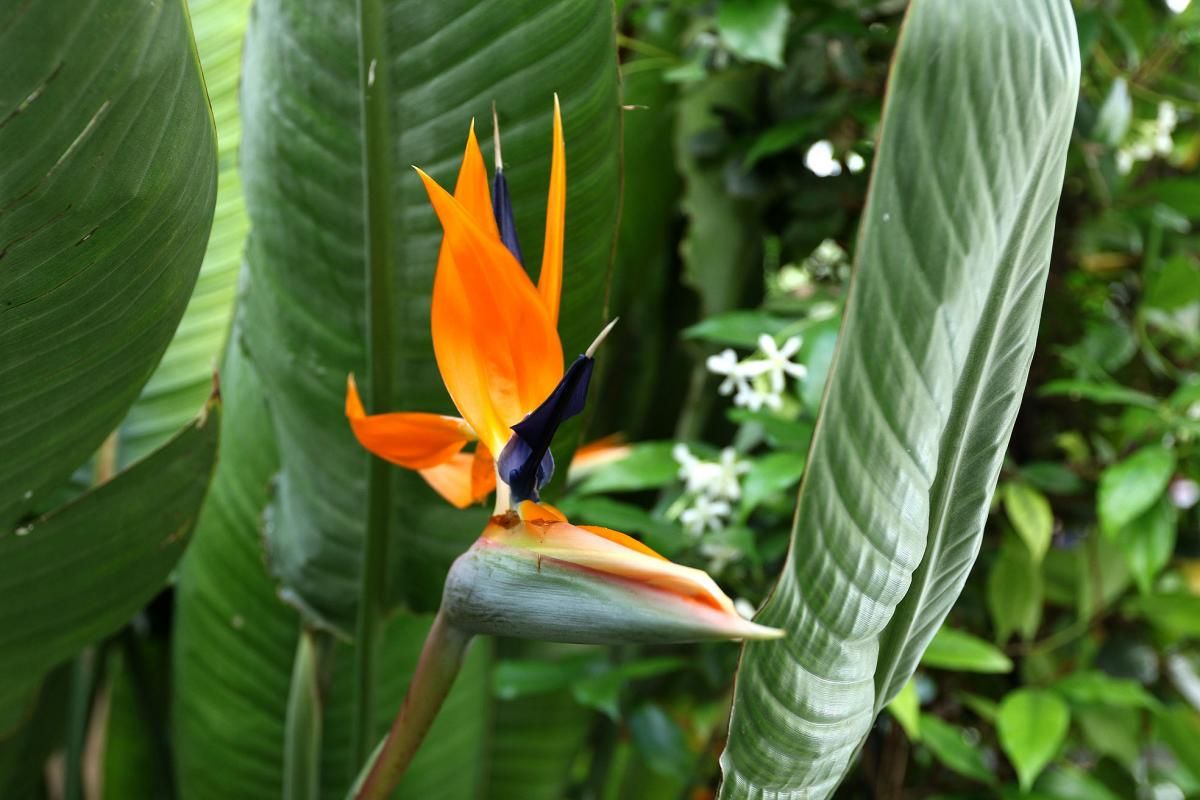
<point>79,573</point>
<point>182,378</point>
<point>107,198</point>
<point>931,361</point>
<point>235,641</point>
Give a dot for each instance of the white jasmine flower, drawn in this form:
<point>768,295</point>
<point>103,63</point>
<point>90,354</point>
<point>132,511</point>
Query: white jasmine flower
<point>727,480</point>
<point>779,362</point>
<point>715,479</point>
<point>1164,127</point>
<point>726,363</point>
<point>720,555</point>
<point>745,608</point>
<point>704,514</point>
<point>696,474</point>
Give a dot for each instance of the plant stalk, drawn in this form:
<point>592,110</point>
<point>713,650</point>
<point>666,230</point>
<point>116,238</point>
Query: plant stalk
<point>373,85</point>
<point>304,722</point>
<point>441,658</point>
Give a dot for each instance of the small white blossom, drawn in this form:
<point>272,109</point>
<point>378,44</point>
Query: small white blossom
<point>779,361</point>
<point>714,479</point>
<point>696,474</point>
<point>719,555</point>
<point>705,514</point>
<point>726,363</point>
<point>1150,139</point>
<point>745,607</point>
<point>727,481</point>
<point>754,398</point>
<point>1164,126</point>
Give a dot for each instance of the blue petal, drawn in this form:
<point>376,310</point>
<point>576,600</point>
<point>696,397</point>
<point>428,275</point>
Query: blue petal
<point>502,208</point>
<point>525,463</point>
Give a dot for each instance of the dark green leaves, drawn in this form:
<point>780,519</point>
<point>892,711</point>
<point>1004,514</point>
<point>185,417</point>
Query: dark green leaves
<point>108,189</point>
<point>81,572</point>
<point>934,350</point>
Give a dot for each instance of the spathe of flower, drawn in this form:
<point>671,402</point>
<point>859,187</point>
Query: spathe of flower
<point>531,573</point>
<point>534,575</point>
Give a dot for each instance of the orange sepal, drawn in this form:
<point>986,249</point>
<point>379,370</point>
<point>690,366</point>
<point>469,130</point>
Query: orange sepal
<point>550,279</point>
<point>496,346</point>
<point>529,511</point>
<point>471,189</point>
<point>412,440</point>
<point>458,480</point>
<point>623,539</point>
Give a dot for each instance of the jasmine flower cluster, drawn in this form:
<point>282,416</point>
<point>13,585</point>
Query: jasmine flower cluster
<point>758,381</point>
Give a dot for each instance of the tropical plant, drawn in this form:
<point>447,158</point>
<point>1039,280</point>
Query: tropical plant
<point>827,229</point>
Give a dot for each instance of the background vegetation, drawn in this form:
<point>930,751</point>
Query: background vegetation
<point>1069,667</point>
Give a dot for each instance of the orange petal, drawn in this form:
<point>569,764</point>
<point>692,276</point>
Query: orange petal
<point>622,539</point>
<point>496,347</point>
<point>593,455</point>
<point>551,277</point>
<point>455,480</point>
<point>415,441</point>
<point>471,190</point>
<point>483,473</point>
<point>610,552</point>
<point>539,512</point>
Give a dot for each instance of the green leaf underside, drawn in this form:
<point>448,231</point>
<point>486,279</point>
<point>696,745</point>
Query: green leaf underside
<point>103,222</point>
<point>182,379</point>
<point>303,319</point>
<point>931,361</point>
<point>81,572</point>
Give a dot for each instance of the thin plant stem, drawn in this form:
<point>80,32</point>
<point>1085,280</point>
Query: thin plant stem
<point>373,78</point>
<point>441,658</point>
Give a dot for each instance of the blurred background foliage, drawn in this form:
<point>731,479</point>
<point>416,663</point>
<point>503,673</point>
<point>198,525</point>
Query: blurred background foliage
<point>1070,667</point>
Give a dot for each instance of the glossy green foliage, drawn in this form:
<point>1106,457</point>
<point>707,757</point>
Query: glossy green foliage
<point>182,379</point>
<point>79,573</point>
<point>103,221</point>
<point>951,266</point>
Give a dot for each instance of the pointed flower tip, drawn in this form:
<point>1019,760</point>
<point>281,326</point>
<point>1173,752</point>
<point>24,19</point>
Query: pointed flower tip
<point>499,161</point>
<point>595,345</point>
<point>761,633</point>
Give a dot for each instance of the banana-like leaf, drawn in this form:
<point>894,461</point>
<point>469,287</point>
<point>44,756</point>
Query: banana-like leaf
<point>931,363</point>
<point>235,641</point>
<point>181,381</point>
<point>106,197</point>
<point>304,314</point>
<point>79,573</point>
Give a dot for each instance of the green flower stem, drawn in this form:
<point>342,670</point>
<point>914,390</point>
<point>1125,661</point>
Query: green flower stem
<point>373,70</point>
<point>441,659</point>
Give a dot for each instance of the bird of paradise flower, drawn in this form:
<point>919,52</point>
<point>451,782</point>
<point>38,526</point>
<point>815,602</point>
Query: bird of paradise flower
<point>531,573</point>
